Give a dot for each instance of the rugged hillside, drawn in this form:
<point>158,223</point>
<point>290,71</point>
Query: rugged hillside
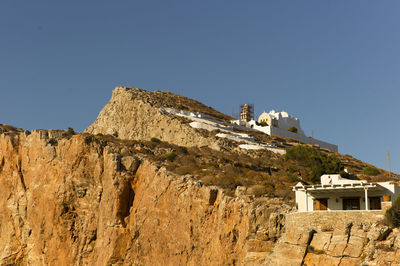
<point>81,199</point>
<point>136,114</point>
<point>146,185</point>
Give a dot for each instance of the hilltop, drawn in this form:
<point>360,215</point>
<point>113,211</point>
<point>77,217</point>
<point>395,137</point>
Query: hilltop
<point>137,114</point>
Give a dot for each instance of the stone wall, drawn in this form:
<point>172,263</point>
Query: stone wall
<point>336,238</point>
<point>325,220</point>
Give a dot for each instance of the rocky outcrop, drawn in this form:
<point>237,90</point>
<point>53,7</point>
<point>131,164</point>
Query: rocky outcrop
<point>72,200</point>
<point>336,238</point>
<point>136,114</point>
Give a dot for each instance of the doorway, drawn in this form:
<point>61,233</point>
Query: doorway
<point>320,204</point>
<point>351,203</point>
<point>374,203</point>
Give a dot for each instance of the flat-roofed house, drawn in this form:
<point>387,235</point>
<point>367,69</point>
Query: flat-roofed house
<point>338,193</point>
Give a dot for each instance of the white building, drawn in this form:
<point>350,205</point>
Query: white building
<point>279,123</point>
<point>282,120</point>
<point>338,193</point>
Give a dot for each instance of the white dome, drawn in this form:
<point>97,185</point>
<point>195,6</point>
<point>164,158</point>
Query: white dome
<point>284,114</point>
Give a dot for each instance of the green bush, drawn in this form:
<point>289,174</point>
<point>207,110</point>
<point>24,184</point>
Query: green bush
<point>170,156</point>
<point>392,215</point>
<point>293,129</point>
<point>292,169</point>
<point>156,140</point>
<point>262,123</point>
<point>71,131</point>
<point>293,177</point>
<point>370,170</point>
<point>344,174</point>
<point>319,162</point>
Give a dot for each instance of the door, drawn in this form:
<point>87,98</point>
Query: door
<point>374,203</point>
<point>320,204</point>
<point>351,203</point>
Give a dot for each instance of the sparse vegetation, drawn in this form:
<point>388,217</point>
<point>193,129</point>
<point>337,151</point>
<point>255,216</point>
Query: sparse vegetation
<point>262,123</point>
<point>292,169</point>
<point>293,177</point>
<point>258,190</point>
<point>168,99</point>
<point>71,131</point>
<point>293,129</point>
<point>392,215</point>
<point>156,140</point>
<point>261,172</point>
<point>318,162</point>
<point>170,156</point>
<point>311,249</point>
<point>370,170</point>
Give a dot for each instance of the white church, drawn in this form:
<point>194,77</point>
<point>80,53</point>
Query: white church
<point>279,124</point>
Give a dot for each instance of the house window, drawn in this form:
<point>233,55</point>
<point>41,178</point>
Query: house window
<point>320,204</point>
<point>351,203</point>
<point>374,203</point>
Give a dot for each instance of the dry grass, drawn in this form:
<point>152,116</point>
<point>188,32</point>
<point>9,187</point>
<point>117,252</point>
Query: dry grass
<point>10,129</point>
<point>261,172</point>
<point>168,99</point>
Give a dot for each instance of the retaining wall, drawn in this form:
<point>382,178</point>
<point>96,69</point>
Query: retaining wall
<point>328,220</point>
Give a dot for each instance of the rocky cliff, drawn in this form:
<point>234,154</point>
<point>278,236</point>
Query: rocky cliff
<point>136,114</point>
<point>112,197</point>
<point>80,200</point>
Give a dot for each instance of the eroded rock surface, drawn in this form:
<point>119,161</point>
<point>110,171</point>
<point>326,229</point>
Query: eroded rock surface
<point>137,114</point>
<point>75,201</point>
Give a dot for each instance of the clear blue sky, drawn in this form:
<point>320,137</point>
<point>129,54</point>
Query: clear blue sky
<point>333,64</point>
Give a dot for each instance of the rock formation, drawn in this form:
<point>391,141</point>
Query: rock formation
<point>136,114</point>
<point>74,200</point>
<point>95,199</point>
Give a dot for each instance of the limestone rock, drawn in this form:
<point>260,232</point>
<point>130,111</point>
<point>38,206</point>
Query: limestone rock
<point>135,114</point>
<point>78,201</point>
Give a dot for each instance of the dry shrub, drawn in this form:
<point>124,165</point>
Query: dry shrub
<point>209,180</point>
<point>257,190</point>
<point>283,193</point>
<point>227,182</point>
<point>188,160</point>
<point>231,170</point>
<point>184,170</point>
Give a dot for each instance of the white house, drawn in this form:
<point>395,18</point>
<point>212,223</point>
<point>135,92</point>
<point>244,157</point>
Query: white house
<point>282,120</point>
<point>338,193</point>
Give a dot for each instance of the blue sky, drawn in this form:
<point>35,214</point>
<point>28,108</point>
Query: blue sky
<point>333,64</point>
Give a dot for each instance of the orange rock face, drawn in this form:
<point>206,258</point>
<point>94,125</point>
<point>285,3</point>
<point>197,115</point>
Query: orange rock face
<point>133,114</point>
<point>75,201</point>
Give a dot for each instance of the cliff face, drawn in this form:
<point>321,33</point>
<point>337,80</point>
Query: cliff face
<point>84,199</point>
<point>135,114</point>
<point>72,201</point>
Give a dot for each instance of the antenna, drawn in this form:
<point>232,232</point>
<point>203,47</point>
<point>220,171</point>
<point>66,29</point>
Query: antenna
<point>312,139</point>
<point>389,163</point>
